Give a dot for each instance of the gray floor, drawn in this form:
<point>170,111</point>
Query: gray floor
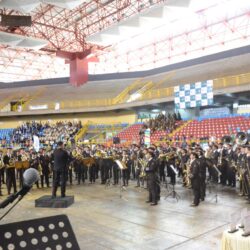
<point>103,220</point>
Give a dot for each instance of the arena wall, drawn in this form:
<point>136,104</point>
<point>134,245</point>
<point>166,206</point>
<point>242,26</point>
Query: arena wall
<point>94,118</point>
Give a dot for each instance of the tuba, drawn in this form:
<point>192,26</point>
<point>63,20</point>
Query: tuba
<point>241,138</point>
<point>226,139</point>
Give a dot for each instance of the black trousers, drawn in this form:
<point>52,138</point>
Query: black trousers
<point>45,178</point>
<point>92,173</point>
<point>20,176</point>
<point>125,177</point>
<point>246,184</point>
<point>0,184</point>
<point>70,175</point>
<point>115,174</point>
<point>223,168</point>
<point>231,176</point>
<point>137,177</point>
<point>162,172</point>
<point>196,191</point>
<point>2,175</point>
<point>10,179</point>
<point>59,179</point>
<point>80,175</point>
<point>203,188</point>
<point>153,191</point>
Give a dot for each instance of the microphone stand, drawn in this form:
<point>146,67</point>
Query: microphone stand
<point>9,210</point>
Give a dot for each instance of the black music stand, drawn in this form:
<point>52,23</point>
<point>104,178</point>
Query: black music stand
<point>54,232</point>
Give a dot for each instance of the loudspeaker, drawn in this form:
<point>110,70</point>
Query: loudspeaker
<point>116,140</point>
<point>15,21</point>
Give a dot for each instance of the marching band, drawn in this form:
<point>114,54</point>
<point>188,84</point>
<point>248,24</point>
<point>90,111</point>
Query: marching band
<point>224,163</point>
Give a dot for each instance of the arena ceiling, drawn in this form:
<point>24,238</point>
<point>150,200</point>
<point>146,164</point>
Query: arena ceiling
<point>126,35</point>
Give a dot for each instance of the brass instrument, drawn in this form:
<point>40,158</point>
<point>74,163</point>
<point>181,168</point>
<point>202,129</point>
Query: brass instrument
<point>88,161</point>
<point>1,163</point>
<point>167,156</point>
<point>40,169</point>
<point>226,139</point>
<point>124,162</point>
<point>24,163</point>
<point>186,173</point>
<point>143,167</point>
<point>122,165</point>
<point>241,138</point>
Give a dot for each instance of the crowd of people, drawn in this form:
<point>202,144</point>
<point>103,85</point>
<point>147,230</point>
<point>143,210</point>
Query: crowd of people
<point>164,122</point>
<point>223,163</point>
<point>49,133</point>
<point>151,168</point>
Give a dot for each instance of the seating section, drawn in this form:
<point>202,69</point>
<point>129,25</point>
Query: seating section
<point>158,136</point>
<point>161,135</point>
<point>131,133</point>
<point>6,133</point>
<point>216,127</point>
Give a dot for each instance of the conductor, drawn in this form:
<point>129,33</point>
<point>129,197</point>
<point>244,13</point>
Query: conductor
<point>60,169</point>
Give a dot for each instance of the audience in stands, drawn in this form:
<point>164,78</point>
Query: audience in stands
<point>48,133</point>
<point>164,122</point>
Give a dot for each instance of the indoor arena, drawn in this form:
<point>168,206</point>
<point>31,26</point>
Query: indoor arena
<point>125,124</point>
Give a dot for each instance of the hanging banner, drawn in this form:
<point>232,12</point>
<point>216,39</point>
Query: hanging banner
<point>147,137</point>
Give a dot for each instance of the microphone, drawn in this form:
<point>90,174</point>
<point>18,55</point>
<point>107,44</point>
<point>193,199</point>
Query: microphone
<point>30,176</point>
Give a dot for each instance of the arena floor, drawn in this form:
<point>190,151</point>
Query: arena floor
<point>103,220</point>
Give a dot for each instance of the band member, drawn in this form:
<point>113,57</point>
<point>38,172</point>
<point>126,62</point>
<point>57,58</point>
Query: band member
<point>203,173</point>
<point>171,160</point>
<point>125,172</point>
<point>78,167</point>
<point>138,167</point>
<point>70,172</point>
<point>115,173</point>
<point>44,161</point>
<point>241,162</point>
<point>20,170</point>
<point>10,171</point>
<point>195,178</point>
<point>247,174</point>
<point>162,164</point>
<point>91,167</point>
<point>2,168</point>
<point>60,169</point>
<point>152,179</point>
<point>184,157</point>
<point>231,170</point>
<point>215,160</point>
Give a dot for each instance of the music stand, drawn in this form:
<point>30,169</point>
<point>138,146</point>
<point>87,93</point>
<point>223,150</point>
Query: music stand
<point>108,181</point>
<point>54,232</point>
<point>173,193</point>
<point>218,174</point>
<point>122,188</point>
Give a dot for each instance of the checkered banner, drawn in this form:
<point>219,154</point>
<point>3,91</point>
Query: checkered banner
<point>193,95</point>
